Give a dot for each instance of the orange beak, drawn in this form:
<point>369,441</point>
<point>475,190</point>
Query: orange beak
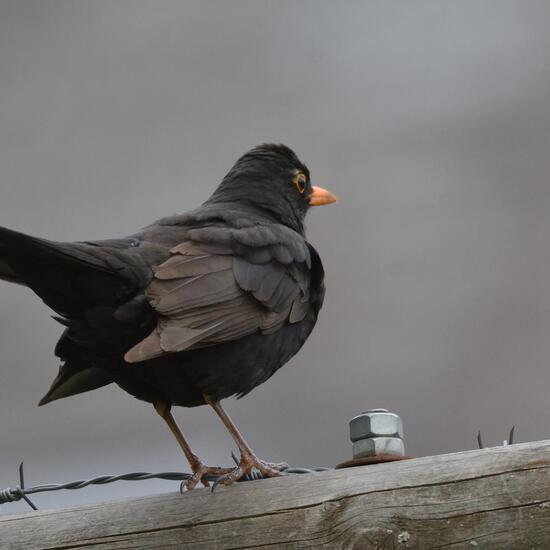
<point>320,196</point>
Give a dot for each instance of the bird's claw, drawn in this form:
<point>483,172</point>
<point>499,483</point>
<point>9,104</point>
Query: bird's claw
<point>200,471</point>
<point>245,467</point>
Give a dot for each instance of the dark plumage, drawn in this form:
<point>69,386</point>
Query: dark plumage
<point>195,307</point>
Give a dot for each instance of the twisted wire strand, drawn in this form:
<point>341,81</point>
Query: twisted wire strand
<point>21,493</point>
<point>10,495</point>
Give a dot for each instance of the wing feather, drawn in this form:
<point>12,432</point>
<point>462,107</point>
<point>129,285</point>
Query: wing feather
<point>174,337</point>
<point>221,289</point>
<point>179,266</point>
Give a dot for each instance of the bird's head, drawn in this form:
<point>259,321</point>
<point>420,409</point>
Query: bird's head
<point>271,178</point>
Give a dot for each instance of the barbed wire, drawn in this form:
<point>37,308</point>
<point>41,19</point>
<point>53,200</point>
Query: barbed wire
<point>20,492</point>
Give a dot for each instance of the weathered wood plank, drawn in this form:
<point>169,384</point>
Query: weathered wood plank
<point>494,498</point>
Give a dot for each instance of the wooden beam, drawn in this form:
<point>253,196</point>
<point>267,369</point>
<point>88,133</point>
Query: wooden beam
<point>492,499</point>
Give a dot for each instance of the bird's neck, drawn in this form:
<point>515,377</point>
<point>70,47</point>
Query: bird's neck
<point>257,209</point>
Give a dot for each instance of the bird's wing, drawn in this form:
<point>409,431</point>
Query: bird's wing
<point>216,287</point>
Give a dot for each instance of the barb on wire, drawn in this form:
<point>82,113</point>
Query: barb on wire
<point>13,495</point>
<point>505,443</point>
<point>510,437</point>
<point>21,492</point>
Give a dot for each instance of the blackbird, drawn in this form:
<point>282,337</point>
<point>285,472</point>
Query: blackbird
<point>192,309</point>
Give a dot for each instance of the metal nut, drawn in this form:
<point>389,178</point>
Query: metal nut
<point>375,446</point>
<point>375,423</point>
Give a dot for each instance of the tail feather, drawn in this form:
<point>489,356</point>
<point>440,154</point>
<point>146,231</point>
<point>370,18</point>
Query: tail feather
<point>72,380</point>
<point>67,276</point>
<point>8,274</point>
<point>84,283</point>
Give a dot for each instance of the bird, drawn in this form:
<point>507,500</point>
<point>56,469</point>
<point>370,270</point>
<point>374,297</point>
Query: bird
<point>192,309</point>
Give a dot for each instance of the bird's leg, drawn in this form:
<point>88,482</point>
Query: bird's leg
<point>248,459</point>
<point>198,468</point>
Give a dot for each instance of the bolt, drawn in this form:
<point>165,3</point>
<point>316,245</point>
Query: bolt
<point>374,446</point>
<point>377,432</point>
<point>375,423</point>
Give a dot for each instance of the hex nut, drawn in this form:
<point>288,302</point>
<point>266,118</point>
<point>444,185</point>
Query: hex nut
<point>375,446</point>
<point>375,423</point>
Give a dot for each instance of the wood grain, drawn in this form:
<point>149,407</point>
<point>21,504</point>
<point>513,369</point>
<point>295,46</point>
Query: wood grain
<point>494,498</point>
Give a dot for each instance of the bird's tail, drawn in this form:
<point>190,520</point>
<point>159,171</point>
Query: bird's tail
<point>69,278</point>
<point>7,273</point>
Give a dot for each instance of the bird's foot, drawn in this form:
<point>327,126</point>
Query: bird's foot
<point>245,466</point>
<point>200,471</point>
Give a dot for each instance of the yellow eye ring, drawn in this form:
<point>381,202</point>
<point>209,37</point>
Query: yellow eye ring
<point>300,181</point>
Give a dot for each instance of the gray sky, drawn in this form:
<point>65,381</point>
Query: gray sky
<point>429,120</point>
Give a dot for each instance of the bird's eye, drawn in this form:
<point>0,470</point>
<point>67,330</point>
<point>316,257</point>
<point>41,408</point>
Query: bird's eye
<point>300,181</point>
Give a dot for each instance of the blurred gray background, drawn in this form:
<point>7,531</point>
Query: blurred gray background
<point>429,120</point>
